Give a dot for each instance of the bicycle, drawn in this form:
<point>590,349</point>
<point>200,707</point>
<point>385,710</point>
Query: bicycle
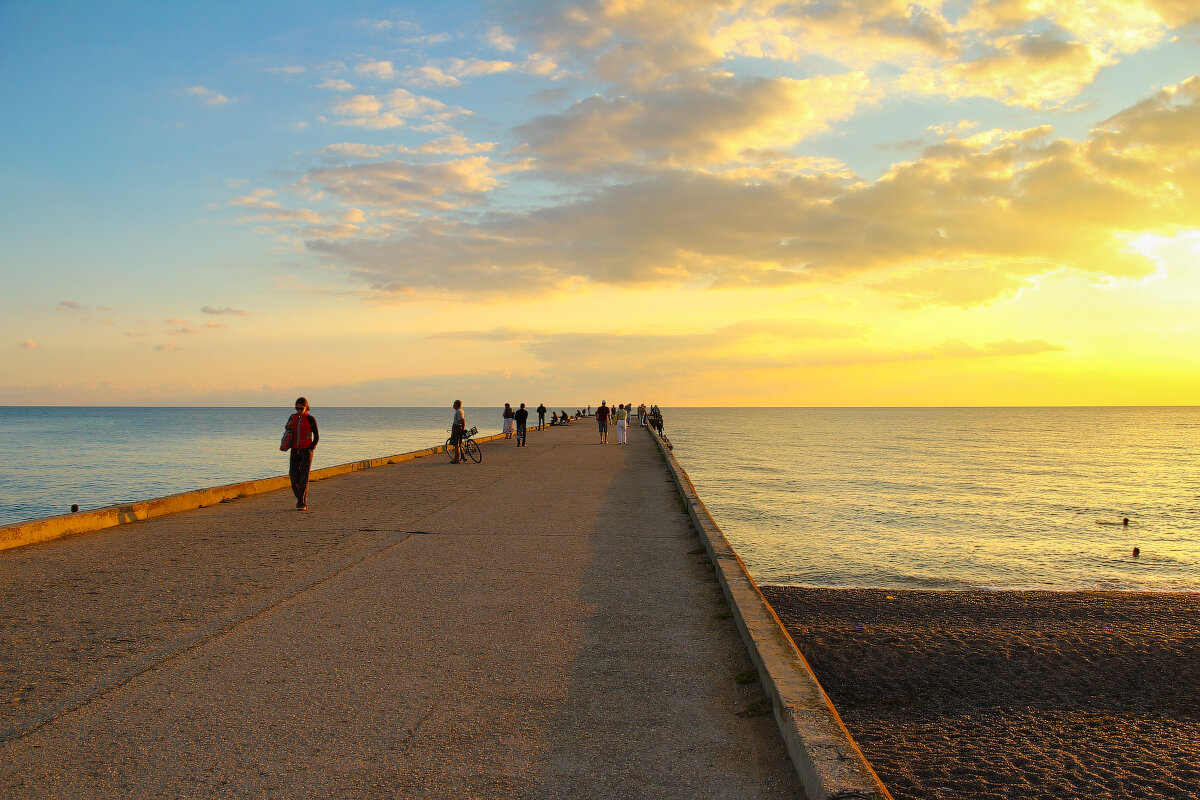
<point>468,446</point>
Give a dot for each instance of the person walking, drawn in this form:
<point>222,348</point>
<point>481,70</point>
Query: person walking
<point>602,421</point>
<point>508,421</point>
<point>457,428</point>
<point>622,416</point>
<point>521,417</point>
<point>541,409</point>
<point>300,435</point>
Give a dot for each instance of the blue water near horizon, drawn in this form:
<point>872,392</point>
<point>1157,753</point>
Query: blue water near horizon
<point>951,498</point>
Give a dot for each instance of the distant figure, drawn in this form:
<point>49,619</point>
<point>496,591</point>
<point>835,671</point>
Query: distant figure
<point>553,417</point>
<point>300,435</point>
<point>589,409</point>
<point>521,417</point>
<point>622,418</point>
<point>1125,521</point>
<point>1136,552</point>
<point>563,419</point>
<point>457,428</point>
<point>602,421</point>
<point>507,416</point>
<point>541,416</point>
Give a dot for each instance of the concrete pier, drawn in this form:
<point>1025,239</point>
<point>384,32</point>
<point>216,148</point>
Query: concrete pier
<point>545,624</point>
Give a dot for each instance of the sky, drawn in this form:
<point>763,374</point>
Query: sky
<point>696,203</point>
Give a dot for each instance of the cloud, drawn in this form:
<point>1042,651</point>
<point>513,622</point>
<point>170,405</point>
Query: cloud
<point>962,286</point>
<point>226,310</point>
<point>447,184</point>
<point>969,220</point>
<point>735,352</point>
<point>166,347</point>
<point>336,84</point>
<point>430,76</point>
<point>455,145</point>
<point>500,40</point>
<point>956,348</point>
<point>215,325</point>
<point>391,111</point>
<point>28,344</point>
<point>177,321</point>
<point>208,96</point>
<point>1021,52</point>
<point>382,70</point>
<point>704,124</point>
<point>346,150</point>
<point>1031,70</point>
<point>69,305</point>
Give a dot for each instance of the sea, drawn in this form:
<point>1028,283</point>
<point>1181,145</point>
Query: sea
<point>903,498</point>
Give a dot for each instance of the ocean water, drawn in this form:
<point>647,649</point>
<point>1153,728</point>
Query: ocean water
<point>951,498</point>
<point>51,457</point>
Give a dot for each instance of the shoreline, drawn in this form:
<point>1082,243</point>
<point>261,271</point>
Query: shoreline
<point>956,694</point>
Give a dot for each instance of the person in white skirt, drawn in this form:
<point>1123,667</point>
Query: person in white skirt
<point>622,417</point>
<point>509,425</point>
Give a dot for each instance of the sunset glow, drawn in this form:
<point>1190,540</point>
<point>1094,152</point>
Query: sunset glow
<point>691,203</point>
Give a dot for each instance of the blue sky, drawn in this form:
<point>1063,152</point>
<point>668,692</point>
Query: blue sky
<point>791,203</point>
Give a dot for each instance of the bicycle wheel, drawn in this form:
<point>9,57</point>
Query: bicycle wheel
<point>471,449</point>
<point>449,449</point>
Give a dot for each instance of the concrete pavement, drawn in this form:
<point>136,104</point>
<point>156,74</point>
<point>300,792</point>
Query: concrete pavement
<point>539,625</point>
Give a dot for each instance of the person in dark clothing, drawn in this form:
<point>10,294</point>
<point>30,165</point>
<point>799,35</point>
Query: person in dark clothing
<point>602,421</point>
<point>522,418</point>
<point>541,409</point>
<point>300,435</point>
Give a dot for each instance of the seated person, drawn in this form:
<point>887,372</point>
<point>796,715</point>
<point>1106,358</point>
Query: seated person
<point>563,416</point>
<point>553,418</point>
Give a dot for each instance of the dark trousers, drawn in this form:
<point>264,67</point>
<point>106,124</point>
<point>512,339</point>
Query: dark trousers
<point>298,467</point>
<point>541,421</point>
<point>521,433</point>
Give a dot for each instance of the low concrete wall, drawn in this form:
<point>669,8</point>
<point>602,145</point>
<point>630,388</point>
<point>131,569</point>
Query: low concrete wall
<point>829,763</point>
<point>47,528</point>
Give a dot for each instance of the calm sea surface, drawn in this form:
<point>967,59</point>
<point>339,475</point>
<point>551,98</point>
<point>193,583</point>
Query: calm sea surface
<point>917,498</point>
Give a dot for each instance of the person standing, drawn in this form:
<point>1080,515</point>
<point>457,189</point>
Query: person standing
<point>300,435</point>
<point>457,428</point>
<point>521,417</point>
<point>508,421</point>
<point>622,417</point>
<point>602,421</point>
<point>541,409</point>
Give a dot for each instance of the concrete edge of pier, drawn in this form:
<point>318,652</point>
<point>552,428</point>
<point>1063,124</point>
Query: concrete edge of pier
<point>826,758</point>
<point>45,529</point>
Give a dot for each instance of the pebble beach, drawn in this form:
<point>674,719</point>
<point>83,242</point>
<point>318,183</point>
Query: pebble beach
<point>982,695</point>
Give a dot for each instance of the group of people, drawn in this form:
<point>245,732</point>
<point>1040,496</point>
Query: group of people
<point>300,434</point>
<point>621,416</point>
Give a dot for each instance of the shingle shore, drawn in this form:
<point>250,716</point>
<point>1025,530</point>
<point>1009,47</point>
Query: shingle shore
<point>539,625</point>
<point>995,695</point>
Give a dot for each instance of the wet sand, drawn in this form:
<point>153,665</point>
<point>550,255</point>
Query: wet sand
<point>981,695</point>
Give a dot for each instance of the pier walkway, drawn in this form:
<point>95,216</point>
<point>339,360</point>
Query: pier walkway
<point>541,625</point>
